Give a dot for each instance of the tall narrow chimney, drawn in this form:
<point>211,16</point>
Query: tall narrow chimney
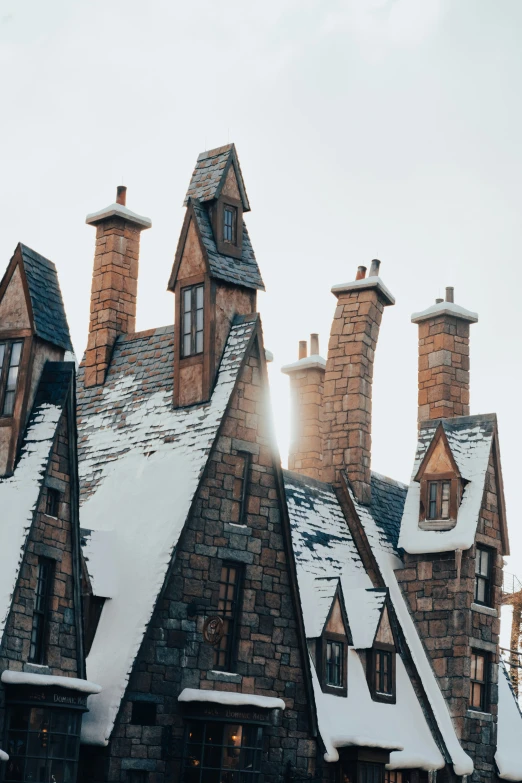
<point>306,392</point>
<point>347,397</point>
<point>444,359</point>
<point>114,282</point>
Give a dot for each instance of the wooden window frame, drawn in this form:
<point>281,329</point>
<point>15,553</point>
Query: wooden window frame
<point>41,612</point>
<point>5,366</point>
<point>438,522</point>
<point>249,758</point>
<point>245,484</point>
<point>194,331</point>
<point>52,502</point>
<point>234,249</point>
<point>488,580</point>
<point>371,673</point>
<point>483,684</point>
<point>335,690</point>
<point>229,648</point>
<point>228,209</point>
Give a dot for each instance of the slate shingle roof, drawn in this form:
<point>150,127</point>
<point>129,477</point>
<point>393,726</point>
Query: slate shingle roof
<point>240,271</point>
<point>50,320</point>
<point>208,177</point>
<point>387,505</point>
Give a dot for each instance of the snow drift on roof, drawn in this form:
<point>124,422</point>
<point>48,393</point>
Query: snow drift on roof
<point>138,453</point>
<point>470,439</point>
<point>3,756</point>
<point>509,730</point>
<point>30,678</point>
<point>326,553</point>
<point>234,699</point>
<point>19,495</point>
<point>388,562</point>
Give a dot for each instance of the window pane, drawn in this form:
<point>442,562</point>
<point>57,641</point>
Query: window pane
<point>480,591</point>
<point>199,297</point>
<point>186,345</point>
<point>199,342</point>
<point>444,511</point>
<point>187,299</point>
<point>2,354</point>
<point>480,668</point>
<point>9,403</point>
<point>432,504</point>
<point>484,562</point>
<point>16,352</point>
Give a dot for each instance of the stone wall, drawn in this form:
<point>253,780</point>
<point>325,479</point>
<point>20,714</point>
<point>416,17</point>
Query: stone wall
<point>174,655</point>
<point>451,625</point>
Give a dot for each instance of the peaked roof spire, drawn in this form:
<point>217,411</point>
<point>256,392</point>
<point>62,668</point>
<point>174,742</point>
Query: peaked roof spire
<point>210,174</point>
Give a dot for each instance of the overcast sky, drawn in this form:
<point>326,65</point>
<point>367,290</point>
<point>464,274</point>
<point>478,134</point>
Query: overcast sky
<point>365,128</point>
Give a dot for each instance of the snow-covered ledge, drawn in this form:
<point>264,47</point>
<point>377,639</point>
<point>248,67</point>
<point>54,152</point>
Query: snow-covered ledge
<point>28,678</point>
<point>231,699</point>
<point>3,756</point>
<point>313,362</point>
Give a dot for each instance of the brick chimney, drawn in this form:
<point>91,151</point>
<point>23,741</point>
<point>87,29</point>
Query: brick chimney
<point>444,359</point>
<point>114,282</point>
<point>306,392</point>
<point>347,397</point>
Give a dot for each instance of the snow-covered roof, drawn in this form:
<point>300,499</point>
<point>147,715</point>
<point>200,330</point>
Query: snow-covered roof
<point>509,730</point>
<point>31,678</point>
<point>19,493</point>
<point>470,440</point>
<point>135,450</point>
<point>231,699</point>
<point>325,555</point>
<point>358,720</point>
<point>388,562</point>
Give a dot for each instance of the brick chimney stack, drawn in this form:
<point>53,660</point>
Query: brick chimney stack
<point>347,397</point>
<point>306,392</point>
<point>444,359</point>
<point>114,282</point>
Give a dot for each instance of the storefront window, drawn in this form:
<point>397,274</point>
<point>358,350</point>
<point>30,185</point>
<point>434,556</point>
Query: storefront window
<point>222,753</point>
<point>42,744</point>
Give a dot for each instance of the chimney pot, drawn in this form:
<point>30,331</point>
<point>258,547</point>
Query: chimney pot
<point>314,345</point>
<point>302,349</point>
<point>121,195</point>
<point>449,293</point>
<point>374,269</point>
<point>439,301</point>
<point>361,273</point>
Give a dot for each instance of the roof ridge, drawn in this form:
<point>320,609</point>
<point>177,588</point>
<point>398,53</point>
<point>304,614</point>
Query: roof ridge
<point>388,479</point>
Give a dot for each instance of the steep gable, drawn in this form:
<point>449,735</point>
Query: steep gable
<point>14,313</point>
<point>216,171</point>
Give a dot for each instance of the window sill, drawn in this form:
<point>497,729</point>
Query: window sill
<point>484,610</point>
<point>217,676</point>
<point>477,715</point>
<point>235,527</point>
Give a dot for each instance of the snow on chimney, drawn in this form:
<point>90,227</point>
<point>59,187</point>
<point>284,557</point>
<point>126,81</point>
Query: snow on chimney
<point>347,396</point>
<point>444,359</point>
<point>114,282</point>
<point>306,391</point>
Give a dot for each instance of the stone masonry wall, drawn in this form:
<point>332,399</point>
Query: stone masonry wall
<point>49,537</point>
<point>347,398</point>
<point>443,368</point>
<point>306,390</point>
<point>113,293</point>
<point>451,625</point>
<point>174,655</point>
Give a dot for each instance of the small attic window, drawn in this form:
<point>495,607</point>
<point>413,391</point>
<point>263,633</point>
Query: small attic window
<point>334,663</point>
<point>10,356</point>
<point>439,499</point>
<point>230,224</point>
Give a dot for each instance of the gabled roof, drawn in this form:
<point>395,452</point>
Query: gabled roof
<point>136,450</point>
<point>50,321</point>
<point>325,555</point>
<point>20,492</point>
<point>508,757</point>
<point>210,174</point>
<point>388,561</point>
<point>470,439</point>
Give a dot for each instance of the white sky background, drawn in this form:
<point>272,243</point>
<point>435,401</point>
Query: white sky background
<point>365,128</point>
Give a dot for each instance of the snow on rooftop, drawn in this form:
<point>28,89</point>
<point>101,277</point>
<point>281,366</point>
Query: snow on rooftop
<point>358,720</point>
<point>118,210</point>
<point>509,730</point>
<point>138,454</point>
<point>45,680</point>
<point>388,562</point>
<point>312,362</point>
<point>3,756</point>
<point>364,609</point>
<point>231,699</point>
<point>19,494</point>
<point>470,440</point>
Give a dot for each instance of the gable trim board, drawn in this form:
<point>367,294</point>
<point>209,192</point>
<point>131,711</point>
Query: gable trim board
<point>127,615</point>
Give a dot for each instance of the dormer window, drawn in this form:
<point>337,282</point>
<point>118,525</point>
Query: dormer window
<point>192,320</point>
<point>334,664</point>
<point>332,648</point>
<point>230,224</point>
<point>10,356</point>
<point>439,499</point>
